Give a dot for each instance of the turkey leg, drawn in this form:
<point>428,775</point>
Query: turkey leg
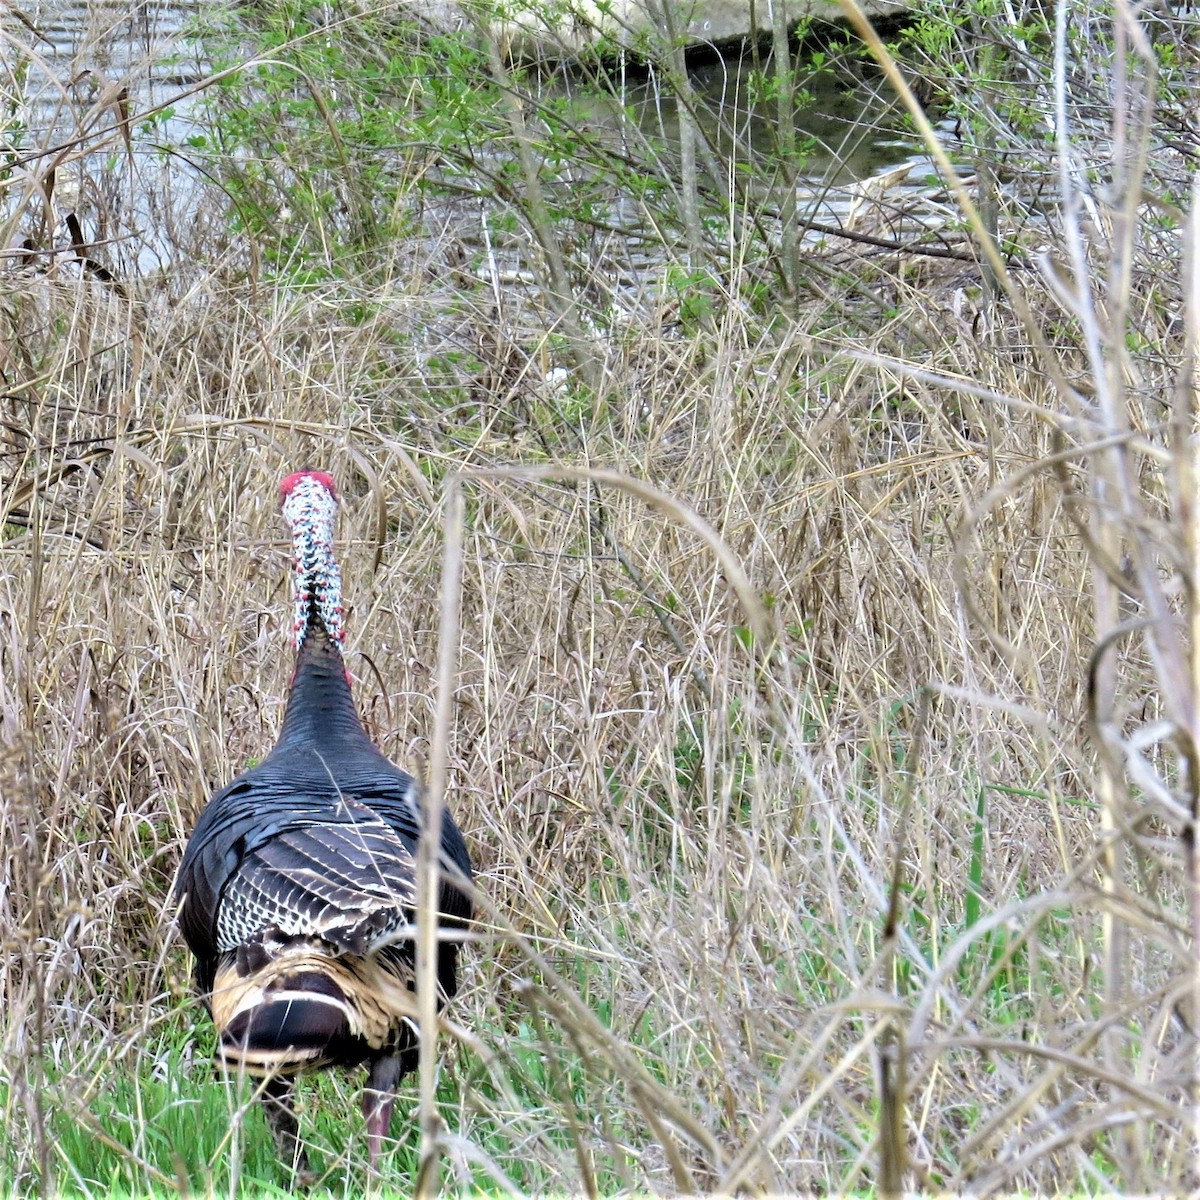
<point>377,1101</point>
<point>285,1129</point>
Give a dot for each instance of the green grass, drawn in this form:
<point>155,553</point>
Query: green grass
<point>160,1121</point>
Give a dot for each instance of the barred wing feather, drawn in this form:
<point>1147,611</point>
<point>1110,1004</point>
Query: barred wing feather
<point>348,883</point>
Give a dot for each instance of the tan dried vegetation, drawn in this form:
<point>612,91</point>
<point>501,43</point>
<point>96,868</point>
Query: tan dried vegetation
<point>821,704</point>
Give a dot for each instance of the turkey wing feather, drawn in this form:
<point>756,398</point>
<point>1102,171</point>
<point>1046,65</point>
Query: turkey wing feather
<point>295,793</point>
<point>351,883</point>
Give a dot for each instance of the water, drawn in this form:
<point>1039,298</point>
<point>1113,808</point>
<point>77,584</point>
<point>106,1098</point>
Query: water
<point>88,84</point>
<point>848,132</point>
<point>72,58</point>
<point>851,135</point>
<point>83,69</point>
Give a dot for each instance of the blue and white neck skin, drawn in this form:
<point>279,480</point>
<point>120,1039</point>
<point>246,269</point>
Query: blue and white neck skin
<point>310,509</point>
<point>321,716</point>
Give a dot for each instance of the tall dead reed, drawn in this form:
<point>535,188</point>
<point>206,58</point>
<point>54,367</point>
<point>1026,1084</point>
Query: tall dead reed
<point>820,710</point>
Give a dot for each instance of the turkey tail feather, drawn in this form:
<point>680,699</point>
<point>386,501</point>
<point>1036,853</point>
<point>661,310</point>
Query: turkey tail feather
<point>290,1032</point>
<point>285,1015</point>
<point>304,1007</point>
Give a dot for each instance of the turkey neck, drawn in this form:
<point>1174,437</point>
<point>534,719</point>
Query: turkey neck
<point>321,711</point>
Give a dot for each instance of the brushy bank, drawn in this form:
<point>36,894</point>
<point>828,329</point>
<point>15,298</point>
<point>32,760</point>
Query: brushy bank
<point>825,684</point>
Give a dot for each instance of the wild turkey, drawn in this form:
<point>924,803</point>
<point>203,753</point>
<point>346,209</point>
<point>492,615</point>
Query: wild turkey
<point>297,889</point>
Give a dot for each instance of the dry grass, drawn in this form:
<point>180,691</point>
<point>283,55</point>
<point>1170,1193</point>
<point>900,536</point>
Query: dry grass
<point>738,850</point>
